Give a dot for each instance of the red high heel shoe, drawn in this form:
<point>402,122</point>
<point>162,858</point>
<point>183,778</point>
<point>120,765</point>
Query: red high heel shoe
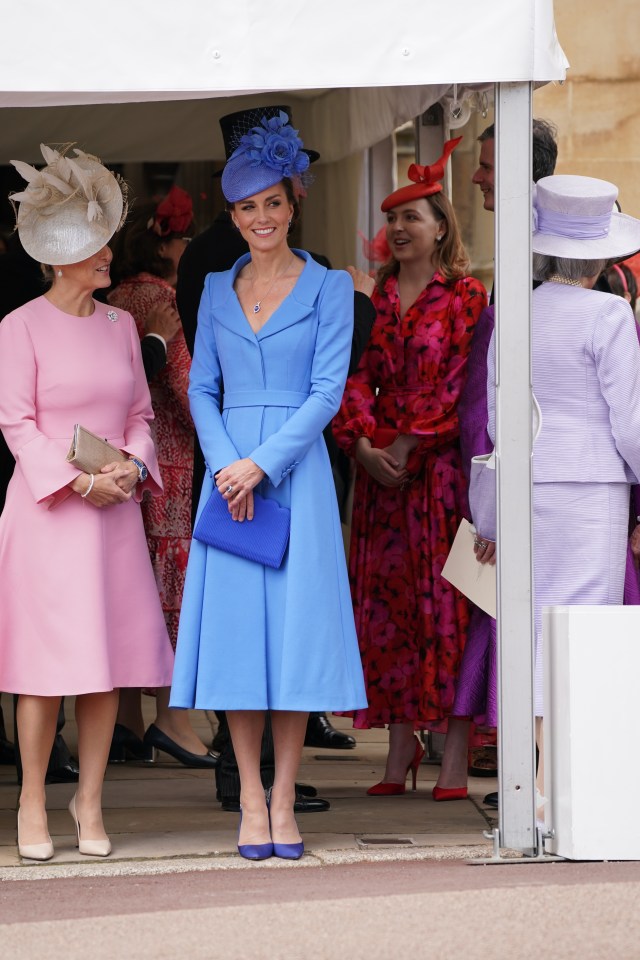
<point>386,788</point>
<point>449,793</point>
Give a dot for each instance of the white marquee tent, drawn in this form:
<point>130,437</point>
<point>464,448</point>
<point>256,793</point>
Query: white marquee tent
<point>130,80</point>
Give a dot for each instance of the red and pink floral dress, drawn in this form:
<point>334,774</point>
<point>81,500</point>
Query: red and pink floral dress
<point>411,623</point>
<point>167,519</point>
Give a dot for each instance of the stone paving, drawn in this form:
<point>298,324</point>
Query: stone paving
<point>165,818</point>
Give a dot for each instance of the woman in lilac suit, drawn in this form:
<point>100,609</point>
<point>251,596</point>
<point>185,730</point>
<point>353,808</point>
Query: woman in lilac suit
<point>80,608</point>
<point>586,379</point>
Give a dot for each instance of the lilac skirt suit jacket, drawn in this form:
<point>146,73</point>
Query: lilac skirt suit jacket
<point>586,378</point>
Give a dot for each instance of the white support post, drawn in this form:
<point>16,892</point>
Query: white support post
<point>516,745</point>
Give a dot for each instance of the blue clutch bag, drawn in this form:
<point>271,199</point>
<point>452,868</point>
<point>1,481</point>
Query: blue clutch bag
<point>263,539</point>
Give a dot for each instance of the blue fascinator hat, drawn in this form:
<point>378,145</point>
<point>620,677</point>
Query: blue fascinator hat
<point>265,155</point>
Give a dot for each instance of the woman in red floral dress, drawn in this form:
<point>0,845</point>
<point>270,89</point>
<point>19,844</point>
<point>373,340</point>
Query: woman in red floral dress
<point>398,419</point>
<point>148,264</point>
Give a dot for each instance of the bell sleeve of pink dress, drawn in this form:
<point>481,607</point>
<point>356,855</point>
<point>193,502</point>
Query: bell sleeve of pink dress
<point>46,472</point>
<point>138,441</point>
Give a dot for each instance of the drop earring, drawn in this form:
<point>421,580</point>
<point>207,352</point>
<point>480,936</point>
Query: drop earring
<point>289,224</point>
<point>59,273</point>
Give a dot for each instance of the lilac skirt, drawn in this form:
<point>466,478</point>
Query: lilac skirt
<point>580,534</point>
<point>581,556</point>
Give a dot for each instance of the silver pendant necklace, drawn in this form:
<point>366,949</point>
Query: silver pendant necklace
<point>257,307</point>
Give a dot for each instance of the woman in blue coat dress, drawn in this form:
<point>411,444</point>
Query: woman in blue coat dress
<point>276,329</point>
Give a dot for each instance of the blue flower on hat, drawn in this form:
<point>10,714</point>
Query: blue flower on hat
<point>274,144</point>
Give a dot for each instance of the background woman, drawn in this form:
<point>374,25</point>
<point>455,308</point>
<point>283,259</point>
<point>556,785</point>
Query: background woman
<point>147,264</point>
<point>277,329</point>
<point>80,610</point>
<point>622,282</point>
<point>398,418</point>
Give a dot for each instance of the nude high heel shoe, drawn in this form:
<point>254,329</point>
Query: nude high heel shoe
<point>90,848</point>
<point>34,851</point>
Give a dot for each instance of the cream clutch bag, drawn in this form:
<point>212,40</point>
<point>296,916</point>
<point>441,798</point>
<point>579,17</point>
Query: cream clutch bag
<point>90,453</point>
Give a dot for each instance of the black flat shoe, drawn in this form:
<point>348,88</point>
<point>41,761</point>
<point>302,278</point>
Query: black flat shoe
<point>306,790</point>
<point>320,733</point>
<point>126,745</point>
<point>310,804</point>
<point>64,773</point>
<point>491,800</point>
<point>62,767</point>
<point>302,805</point>
<point>155,738</point>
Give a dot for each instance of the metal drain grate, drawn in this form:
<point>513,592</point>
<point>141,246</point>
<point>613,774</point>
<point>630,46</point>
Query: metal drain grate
<point>332,758</point>
<point>386,841</point>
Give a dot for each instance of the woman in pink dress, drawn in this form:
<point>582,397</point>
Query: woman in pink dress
<point>399,420</point>
<point>80,609</point>
<point>146,260</point>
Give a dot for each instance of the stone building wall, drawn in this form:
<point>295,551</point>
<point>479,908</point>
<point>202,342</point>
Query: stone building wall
<point>596,111</point>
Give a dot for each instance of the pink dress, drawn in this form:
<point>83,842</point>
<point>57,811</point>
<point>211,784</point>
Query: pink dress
<point>80,608</point>
<point>167,519</point>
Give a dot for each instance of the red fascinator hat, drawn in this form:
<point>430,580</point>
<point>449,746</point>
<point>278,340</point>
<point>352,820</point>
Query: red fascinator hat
<point>174,214</point>
<point>426,180</point>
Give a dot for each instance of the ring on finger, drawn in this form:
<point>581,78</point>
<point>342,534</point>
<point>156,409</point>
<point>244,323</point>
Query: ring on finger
<point>229,489</point>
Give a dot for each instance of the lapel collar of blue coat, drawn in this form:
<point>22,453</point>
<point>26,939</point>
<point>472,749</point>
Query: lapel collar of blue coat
<point>300,301</point>
<point>297,305</point>
<point>225,304</point>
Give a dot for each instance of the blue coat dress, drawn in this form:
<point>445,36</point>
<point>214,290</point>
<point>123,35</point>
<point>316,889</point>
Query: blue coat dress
<point>251,637</point>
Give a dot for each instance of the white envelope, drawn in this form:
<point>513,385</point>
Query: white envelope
<point>476,580</point>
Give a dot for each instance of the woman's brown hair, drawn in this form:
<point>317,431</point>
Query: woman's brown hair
<point>449,257</point>
<point>137,247</point>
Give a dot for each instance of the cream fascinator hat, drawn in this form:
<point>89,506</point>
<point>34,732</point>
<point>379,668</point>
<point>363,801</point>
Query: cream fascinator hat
<point>575,218</point>
<point>70,209</point>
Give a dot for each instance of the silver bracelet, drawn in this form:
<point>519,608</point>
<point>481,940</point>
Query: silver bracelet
<point>89,488</point>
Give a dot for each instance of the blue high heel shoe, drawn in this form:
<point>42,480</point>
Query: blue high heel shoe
<point>286,851</point>
<point>254,851</point>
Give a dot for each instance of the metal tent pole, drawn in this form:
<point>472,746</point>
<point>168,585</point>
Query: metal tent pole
<point>516,744</point>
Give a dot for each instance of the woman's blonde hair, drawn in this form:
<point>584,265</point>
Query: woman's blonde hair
<point>449,257</point>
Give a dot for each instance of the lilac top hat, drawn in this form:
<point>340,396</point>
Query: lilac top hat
<point>265,155</point>
<point>575,218</point>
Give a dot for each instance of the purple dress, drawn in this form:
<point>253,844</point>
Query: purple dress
<point>476,686</point>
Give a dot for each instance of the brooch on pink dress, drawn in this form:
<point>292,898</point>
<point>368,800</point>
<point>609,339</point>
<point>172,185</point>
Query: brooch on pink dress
<point>112,315</point>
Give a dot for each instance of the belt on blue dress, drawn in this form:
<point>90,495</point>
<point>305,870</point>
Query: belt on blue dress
<point>263,398</point>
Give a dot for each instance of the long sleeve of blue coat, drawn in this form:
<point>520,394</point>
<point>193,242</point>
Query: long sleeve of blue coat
<point>283,450</point>
<point>205,392</point>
